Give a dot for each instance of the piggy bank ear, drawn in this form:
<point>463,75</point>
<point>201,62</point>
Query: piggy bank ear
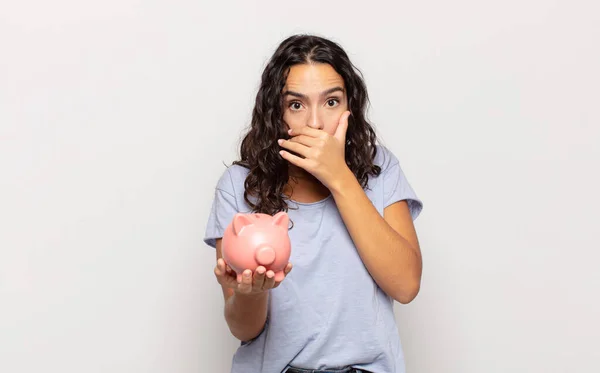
<point>239,222</point>
<point>281,219</point>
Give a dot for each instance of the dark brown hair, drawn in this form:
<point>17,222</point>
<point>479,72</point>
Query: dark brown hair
<point>259,151</point>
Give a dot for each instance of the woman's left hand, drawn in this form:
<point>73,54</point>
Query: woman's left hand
<point>324,154</point>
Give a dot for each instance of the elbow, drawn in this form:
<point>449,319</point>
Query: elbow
<point>245,333</point>
<point>407,294</point>
<point>245,336</point>
<point>242,330</point>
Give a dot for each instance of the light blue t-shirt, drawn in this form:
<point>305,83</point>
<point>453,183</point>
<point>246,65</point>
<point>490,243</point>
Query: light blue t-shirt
<point>328,312</point>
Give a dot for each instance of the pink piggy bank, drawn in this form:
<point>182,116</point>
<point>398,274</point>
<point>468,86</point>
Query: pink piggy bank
<point>256,239</point>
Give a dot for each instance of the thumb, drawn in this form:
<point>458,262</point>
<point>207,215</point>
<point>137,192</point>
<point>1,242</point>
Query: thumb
<point>342,128</point>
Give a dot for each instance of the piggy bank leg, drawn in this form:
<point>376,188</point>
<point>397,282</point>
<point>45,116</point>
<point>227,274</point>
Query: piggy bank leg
<point>239,277</point>
<point>279,276</point>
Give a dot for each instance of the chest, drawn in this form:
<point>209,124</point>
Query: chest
<point>322,247</point>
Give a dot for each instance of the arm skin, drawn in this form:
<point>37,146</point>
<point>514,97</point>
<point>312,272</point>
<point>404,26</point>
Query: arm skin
<point>245,314</point>
<point>246,302</point>
<point>387,245</point>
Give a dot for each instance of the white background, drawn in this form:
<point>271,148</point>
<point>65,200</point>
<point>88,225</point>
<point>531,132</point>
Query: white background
<point>116,118</point>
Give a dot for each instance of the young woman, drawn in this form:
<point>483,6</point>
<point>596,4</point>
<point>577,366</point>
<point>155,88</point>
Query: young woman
<point>311,152</point>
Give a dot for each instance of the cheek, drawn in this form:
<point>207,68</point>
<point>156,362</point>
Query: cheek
<point>331,122</point>
<point>293,121</point>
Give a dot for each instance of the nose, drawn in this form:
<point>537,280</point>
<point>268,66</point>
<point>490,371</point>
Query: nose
<point>315,120</point>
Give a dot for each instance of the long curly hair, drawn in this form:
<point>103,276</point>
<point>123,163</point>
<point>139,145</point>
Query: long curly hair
<point>259,151</point>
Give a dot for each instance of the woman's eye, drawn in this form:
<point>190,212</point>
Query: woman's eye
<point>332,102</point>
<point>295,106</point>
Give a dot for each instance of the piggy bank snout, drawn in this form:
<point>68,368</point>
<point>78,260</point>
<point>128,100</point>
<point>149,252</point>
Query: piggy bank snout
<point>265,255</point>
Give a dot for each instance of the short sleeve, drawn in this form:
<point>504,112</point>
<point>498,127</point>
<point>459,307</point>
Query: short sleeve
<point>396,186</point>
<point>223,209</point>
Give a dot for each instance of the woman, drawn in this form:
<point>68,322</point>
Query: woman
<point>311,152</point>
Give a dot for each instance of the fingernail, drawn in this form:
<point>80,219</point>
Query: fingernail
<point>280,141</point>
<point>290,131</point>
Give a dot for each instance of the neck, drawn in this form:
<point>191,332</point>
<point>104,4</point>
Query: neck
<point>300,173</point>
<point>303,186</point>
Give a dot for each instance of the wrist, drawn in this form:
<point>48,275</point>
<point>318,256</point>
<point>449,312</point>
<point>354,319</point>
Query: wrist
<point>342,181</point>
<point>251,297</point>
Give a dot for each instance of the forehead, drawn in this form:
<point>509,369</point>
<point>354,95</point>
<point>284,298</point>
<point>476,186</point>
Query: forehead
<point>313,77</point>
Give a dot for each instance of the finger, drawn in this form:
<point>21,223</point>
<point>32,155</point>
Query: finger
<point>308,131</point>
<point>295,147</point>
<point>220,268</point>
<point>223,278</point>
<point>295,160</point>
<point>286,271</point>
<point>245,286</point>
<point>229,281</point>
<point>269,280</point>
<point>342,128</point>
<point>306,140</point>
<point>259,277</point>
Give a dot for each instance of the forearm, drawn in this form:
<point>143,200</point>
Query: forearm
<point>392,261</point>
<point>246,314</point>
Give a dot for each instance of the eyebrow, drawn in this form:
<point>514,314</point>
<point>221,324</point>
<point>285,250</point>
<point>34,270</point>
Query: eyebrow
<point>324,93</point>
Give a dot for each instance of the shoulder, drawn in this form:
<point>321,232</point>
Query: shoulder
<point>232,179</point>
<point>393,183</point>
<point>385,158</point>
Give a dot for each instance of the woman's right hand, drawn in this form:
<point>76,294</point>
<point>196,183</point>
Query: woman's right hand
<point>251,283</point>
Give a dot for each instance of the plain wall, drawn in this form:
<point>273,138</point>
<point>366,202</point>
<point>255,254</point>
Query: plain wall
<point>116,118</point>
